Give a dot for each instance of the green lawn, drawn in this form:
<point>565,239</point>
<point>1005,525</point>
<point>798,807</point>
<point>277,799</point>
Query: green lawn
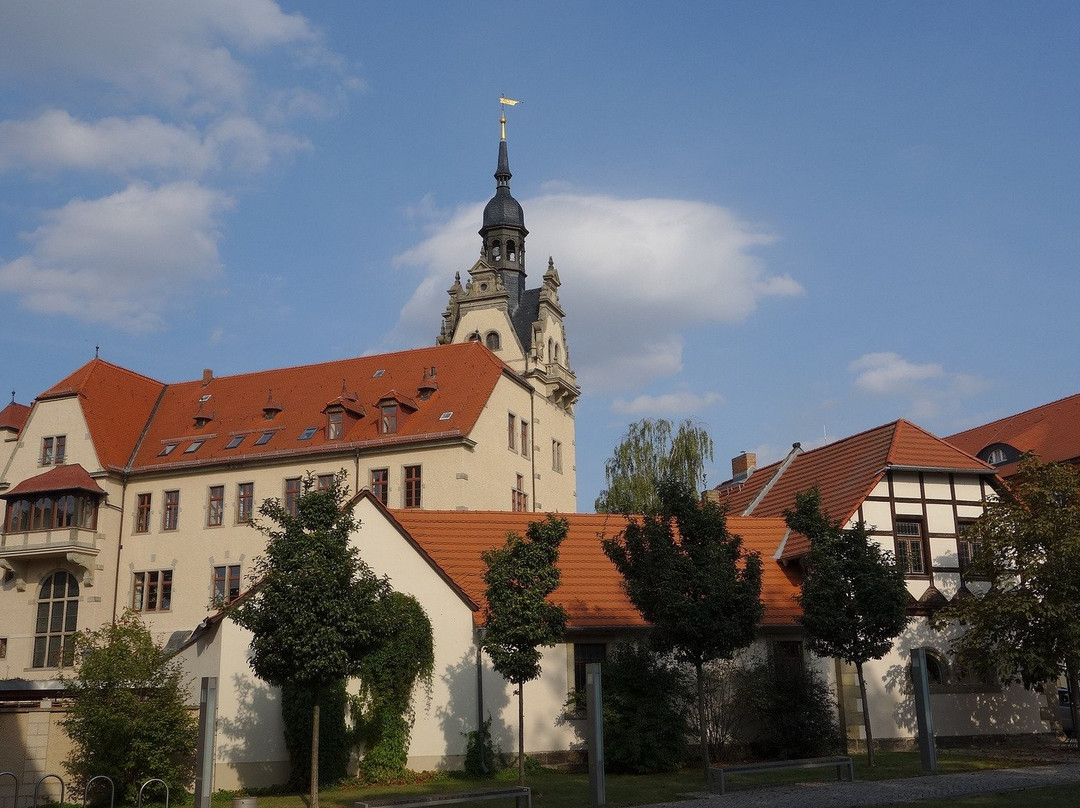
<point>552,789</point>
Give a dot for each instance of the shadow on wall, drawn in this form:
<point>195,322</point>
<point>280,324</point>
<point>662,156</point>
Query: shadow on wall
<point>458,717</point>
<point>961,702</point>
<point>26,764</point>
<point>250,730</point>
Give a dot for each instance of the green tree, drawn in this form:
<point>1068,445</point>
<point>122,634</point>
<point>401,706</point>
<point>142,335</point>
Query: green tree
<point>128,718</point>
<point>652,451</point>
<point>691,578</point>
<point>1026,625</point>
<point>314,608</point>
<point>518,618</point>
<point>854,599</point>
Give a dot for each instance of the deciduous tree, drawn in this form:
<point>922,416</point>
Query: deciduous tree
<point>652,451</point>
<point>128,718</point>
<point>518,618</point>
<point>853,598</point>
<point>314,608</point>
<point>692,579</point>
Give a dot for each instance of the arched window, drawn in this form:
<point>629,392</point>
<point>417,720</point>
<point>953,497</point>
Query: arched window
<point>556,352</point>
<point>997,457</point>
<point>474,336</point>
<point>57,619</point>
<point>511,252</point>
<point>492,340</point>
<point>935,668</point>
<point>550,353</point>
<point>496,250</point>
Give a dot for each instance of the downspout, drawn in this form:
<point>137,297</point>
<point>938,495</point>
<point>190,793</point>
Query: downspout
<point>119,544</point>
<point>480,739</point>
<point>532,439</point>
<point>356,472</point>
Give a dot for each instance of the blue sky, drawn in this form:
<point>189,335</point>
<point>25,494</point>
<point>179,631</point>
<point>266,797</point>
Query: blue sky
<point>786,221</point>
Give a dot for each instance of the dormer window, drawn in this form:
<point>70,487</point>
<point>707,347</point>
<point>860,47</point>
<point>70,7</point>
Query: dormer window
<point>202,419</point>
<point>996,457</point>
<point>52,450</point>
<point>388,415</point>
<point>335,424</point>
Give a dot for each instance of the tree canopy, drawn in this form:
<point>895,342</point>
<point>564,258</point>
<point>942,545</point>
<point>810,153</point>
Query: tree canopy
<point>854,599</point>
<point>1025,624</point>
<point>519,620</point>
<point>691,579</point>
<point>128,718</point>
<point>649,452</point>
<point>314,608</point>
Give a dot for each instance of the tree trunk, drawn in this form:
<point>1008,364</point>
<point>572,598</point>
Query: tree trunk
<point>703,732</point>
<point>314,796</point>
<point>866,716</point>
<point>521,733</point>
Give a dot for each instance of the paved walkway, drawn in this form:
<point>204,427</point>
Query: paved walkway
<point>837,794</point>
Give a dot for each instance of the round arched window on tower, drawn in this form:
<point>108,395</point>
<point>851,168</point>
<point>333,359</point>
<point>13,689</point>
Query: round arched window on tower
<point>493,341</point>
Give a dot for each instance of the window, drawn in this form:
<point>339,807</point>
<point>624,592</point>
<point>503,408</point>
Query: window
<point>19,516</point>
<point>308,433</point>
<point>245,501</point>
<point>380,484</point>
<point>335,422</point>
<point>412,486</point>
<point>586,653</point>
<point>226,584</point>
<point>151,591</point>
<point>264,438</point>
<point>519,500</point>
<point>57,619</point>
<point>234,442</point>
<point>292,495</point>
<point>215,506</point>
<point>170,517</point>
<point>524,438</point>
<point>167,449</point>
<point>492,341</point>
<point>968,544</point>
<point>194,446</point>
<point>996,457</point>
<point>511,432</point>
<point>556,456</point>
<point>324,482</point>
<point>910,554</point>
<point>787,659</point>
<point>388,420</point>
<point>52,450</point>
<point>142,514</point>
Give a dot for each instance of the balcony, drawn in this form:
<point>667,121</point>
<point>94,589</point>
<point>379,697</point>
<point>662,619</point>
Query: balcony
<point>77,546</point>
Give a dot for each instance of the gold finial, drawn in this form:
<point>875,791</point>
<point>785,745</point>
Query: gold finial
<point>504,102</point>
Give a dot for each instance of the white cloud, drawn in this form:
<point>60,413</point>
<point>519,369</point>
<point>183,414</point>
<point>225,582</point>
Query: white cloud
<point>928,389</point>
<point>123,259</point>
<point>667,404</point>
<point>638,272</point>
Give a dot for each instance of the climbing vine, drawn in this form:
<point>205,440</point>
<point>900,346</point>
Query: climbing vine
<point>383,709</point>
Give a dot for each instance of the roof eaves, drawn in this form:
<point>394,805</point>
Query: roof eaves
<point>988,471</point>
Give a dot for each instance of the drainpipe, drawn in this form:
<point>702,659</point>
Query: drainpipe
<point>119,545</point>
<point>480,632</point>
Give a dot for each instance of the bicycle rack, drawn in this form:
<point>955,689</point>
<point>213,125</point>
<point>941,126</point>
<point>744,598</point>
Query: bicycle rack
<point>37,788</point>
<point>148,782</point>
<point>90,782</point>
<point>15,797</point>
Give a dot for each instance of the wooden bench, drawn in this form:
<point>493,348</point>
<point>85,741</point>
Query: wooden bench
<point>842,764</point>
<point>522,798</point>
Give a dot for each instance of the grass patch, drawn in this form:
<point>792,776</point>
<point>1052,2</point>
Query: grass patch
<point>1063,796</point>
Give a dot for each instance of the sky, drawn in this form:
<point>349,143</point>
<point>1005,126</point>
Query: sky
<point>785,221</point>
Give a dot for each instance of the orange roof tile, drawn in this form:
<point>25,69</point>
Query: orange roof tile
<point>591,589</point>
<point>58,478</point>
<point>237,407</point>
<point>116,403</point>
<point>1051,431</point>
<point>14,416</point>
<point>845,472</point>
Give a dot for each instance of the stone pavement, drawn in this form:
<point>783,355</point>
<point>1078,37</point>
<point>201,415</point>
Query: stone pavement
<point>839,794</point>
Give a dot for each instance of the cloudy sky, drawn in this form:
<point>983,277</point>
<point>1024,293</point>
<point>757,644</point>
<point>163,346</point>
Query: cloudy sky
<point>786,221</point>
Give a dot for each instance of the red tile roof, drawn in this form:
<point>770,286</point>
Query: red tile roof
<point>591,590</point>
<point>1051,431</point>
<point>14,416</point>
<point>845,472</point>
<point>58,478</point>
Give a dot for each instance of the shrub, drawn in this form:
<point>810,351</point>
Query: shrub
<point>482,757</point>
<point>334,738</point>
<point>646,701</point>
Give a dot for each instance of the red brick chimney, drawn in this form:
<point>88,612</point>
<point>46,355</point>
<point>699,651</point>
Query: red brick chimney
<point>743,465</point>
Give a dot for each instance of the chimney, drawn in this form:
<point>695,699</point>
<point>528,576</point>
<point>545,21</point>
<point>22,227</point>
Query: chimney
<point>207,376</point>
<point>743,466</point>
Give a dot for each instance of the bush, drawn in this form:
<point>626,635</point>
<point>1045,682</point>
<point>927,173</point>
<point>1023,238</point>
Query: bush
<point>482,757</point>
<point>646,702</point>
<point>791,714</point>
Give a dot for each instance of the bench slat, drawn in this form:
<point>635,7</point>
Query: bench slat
<point>717,773</point>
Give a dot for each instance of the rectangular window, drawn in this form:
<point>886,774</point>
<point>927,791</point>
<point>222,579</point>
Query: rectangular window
<point>215,506</point>
<point>519,500</point>
<point>388,419</point>
<point>53,449</point>
<point>511,432</point>
<point>292,495</point>
<point>245,501</point>
<point>234,442</point>
<point>380,484</point>
<point>584,654</point>
<point>226,583</point>
<point>524,438</point>
<point>142,514</point>
<point>324,482</point>
<point>556,456</point>
<point>264,438</point>
<point>412,486</point>
<point>170,517</point>
<point>151,591</point>
<point>968,544</point>
<point>787,659</point>
<point>335,424</point>
<point>910,552</point>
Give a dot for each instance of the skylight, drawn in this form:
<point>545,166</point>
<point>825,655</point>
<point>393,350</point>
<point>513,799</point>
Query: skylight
<point>167,449</point>
<point>236,441</point>
<point>264,438</point>
<point>194,446</point>
<point>446,416</point>
<point>377,373</point>
<point>205,398</point>
<point>307,433</point>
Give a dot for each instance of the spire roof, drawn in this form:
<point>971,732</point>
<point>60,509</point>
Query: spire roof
<point>503,210</point>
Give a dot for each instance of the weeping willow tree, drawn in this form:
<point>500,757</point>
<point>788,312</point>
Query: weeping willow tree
<point>651,451</point>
